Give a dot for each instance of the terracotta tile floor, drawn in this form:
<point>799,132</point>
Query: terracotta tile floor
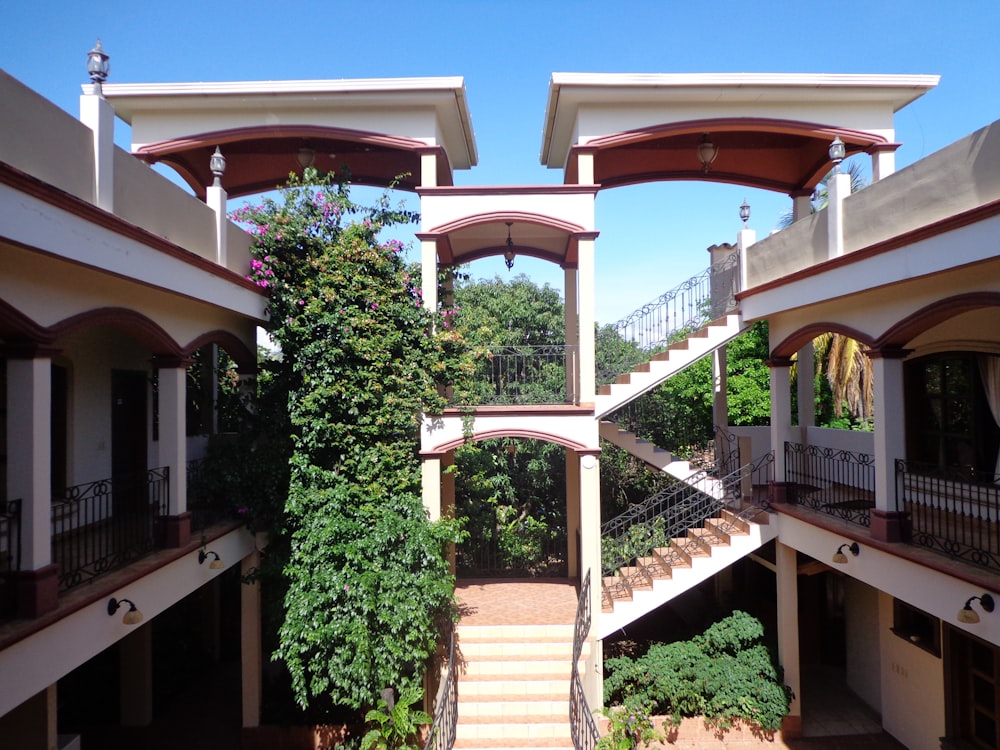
<point>516,602</point>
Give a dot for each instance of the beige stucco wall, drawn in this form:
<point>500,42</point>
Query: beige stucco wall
<point>861,620</point>
<point>799,246</point>
<point>42,140</point>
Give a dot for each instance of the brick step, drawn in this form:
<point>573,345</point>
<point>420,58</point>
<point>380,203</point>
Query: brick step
<point>540,711</point>
<point>561,674</point>
<point>472,650</point>
<point>518,667</point>
<point>514,743</point>
<point>513,728</point>
<point>555,688</point>
<point>536,633</point>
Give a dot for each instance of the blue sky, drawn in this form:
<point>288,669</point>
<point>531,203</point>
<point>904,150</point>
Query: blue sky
<point>652,237</point>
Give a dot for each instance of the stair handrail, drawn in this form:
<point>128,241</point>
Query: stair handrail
<point>684,309</point>
<point>690,507</point>
<point>583,727</point>
<point>443,730</point>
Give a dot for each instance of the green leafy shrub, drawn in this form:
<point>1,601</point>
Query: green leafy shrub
<point>396,728</point>
<point>726,675</point>
<point>628,726</point>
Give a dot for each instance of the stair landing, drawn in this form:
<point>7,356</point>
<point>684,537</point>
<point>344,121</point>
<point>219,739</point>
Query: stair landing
<point>515,640</point>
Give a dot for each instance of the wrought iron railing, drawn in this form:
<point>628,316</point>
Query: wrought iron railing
<point>661,522</point>
<point>523,374</point>
<point>10,536</point>
<point>582,725</point>
<point>955,512</point>
<point>528,552</point>
<point>672,316</point>
<point>104,525</point>
<point>838,482</point>
<point>442,732</point>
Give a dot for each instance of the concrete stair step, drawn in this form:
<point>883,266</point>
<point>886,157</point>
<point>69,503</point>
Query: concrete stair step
<point>513,743</point>
<point>502,633</point>
<point>514,728</point>
<point>543,669</point>
<point>485,712</point>
<point>527,650</point>
<point>545,687</point>
<point>710,536</point>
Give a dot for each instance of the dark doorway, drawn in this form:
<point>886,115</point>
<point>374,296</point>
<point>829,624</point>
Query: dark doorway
<point>973,703</point>
<point>60,428</point>
<point>128,439</point>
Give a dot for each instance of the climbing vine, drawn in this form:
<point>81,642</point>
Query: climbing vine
<point>368,585</point>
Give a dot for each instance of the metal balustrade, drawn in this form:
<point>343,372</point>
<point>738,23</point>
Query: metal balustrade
<point>670,317</point>
<point>524,374</point>
<point>583,727</point>
<point>10,536</point>
<point>838,482</point>
<point>952,511</point>
<point>443,730</point>
<point>662,521</point>
<point>103,525</point>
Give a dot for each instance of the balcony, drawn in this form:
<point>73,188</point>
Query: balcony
<point>840,483</point>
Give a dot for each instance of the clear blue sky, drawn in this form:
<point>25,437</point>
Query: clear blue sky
<point>652,237</point>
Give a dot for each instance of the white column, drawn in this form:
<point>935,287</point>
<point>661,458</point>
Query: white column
<point>573,515</point>
<point>586,301</point>
<point>781,418</point>
<point>584,167</point>
<point>172,395</point>
<point>720,399</point>
<point>883,163</point>
<point>428,169</point>
<point>29,454</point>
<point>890,440</point>
<point>838,187</point>
<point>744,239</point>
<point>571,325</point>
<point>590,558</point>
<point>430,481</point>
<point>216,197</point>
<point>805,385</point>
<point>448,501</point>
<point>788,632</point>
<point>428,274</point>
<point>250,640</point>
<point>135,653</point>
<point>801,205</point>
<point>99,116</point>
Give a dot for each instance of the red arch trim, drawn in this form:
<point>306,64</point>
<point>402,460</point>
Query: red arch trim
<point>930,315</point>
<point>804,335</point>
<point>494,217</point>
<point>517,433</point>
<point>246,360</point>
<point>145,330</point>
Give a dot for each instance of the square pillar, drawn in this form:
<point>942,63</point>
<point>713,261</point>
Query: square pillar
<point>805,385</point>
<point>590,560</point>
<point>781,423</point>
<point>448,500</point>
<point>587,319</point>
<point>838,188</point>
<point>428,274</point>
<point>571,326</point>
<point>135,653</point>
<point>430,483</point>
<point>888,524</point>
<point>573,515</point>
<point>250,640</point>
<point>786,563</point>
<point>173,446</point>
<point>29,475</point>
<point>215,198</point>
<point>99,116</point>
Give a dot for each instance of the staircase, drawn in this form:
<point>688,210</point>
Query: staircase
<point>658,458</point>
<point>658,549</point>
<point>666,363</point>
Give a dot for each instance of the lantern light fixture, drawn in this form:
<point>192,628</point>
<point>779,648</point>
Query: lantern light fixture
<point>745,212</point>
<point>508,256</point>
<point>131,617</point>
<point>837,152</point>
<point>217,163</point>
<point>968,615</point>
<point>840,558</point>
<point>707,152</point>
<point>98,66</point>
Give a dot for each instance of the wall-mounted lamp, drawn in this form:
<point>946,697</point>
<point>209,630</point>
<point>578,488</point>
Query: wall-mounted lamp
<point>840,558</point>
<point>707,152</point>
<point>132,617</point>
<point>216,563</point>
<point>837,153</point>
<point>968,615</point>
<point>217,163</point>
<point>745,212</point>
<point>98,66</point>
<point>508,256</point>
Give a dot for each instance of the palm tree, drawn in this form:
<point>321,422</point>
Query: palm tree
<point>848,370</point>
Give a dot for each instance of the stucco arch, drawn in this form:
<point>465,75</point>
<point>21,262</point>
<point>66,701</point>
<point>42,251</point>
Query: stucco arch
<point>795,341</point>
<point>548,437</point>
<point>787,156</point>
<point>900,334</point>
<point>245,358</point>
<point>143,329</point>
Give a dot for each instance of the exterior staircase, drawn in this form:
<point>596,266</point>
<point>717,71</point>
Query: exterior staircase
<point>665,572</point>
<point>668,362</point>
<point>658,458</point>
<point>513,689</point>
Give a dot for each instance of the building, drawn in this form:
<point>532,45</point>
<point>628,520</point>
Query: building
<point>116,280</point>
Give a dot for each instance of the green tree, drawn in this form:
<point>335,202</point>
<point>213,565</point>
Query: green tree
<point>367,580</point>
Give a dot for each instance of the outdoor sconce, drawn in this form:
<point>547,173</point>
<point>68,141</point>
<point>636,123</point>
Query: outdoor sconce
<point>132,617</point>
<point>508,256</point>
<point>707,152</point>
<point>745,212</point>
<point>840,558</point>
<point>968,615</point>
<point>98,66</point>
<point>837,153</point>
<point>216,563</point>
<point>217,163</point>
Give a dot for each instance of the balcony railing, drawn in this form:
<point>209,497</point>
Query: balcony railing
<point>103,525</point>
<point>10,536</point>
<point>951,511</point>
<point>838,482</point>
<point>523,374</point>
<point>669,318</point>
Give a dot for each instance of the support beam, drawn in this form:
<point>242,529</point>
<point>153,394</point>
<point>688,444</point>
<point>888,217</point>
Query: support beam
<point>887,523</point>
<point>788,634</point>
<point>250,640</point>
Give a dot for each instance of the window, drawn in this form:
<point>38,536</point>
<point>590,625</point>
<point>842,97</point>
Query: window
<point>974,695</point>
<point>949,424</point>
<point>917,627</point>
